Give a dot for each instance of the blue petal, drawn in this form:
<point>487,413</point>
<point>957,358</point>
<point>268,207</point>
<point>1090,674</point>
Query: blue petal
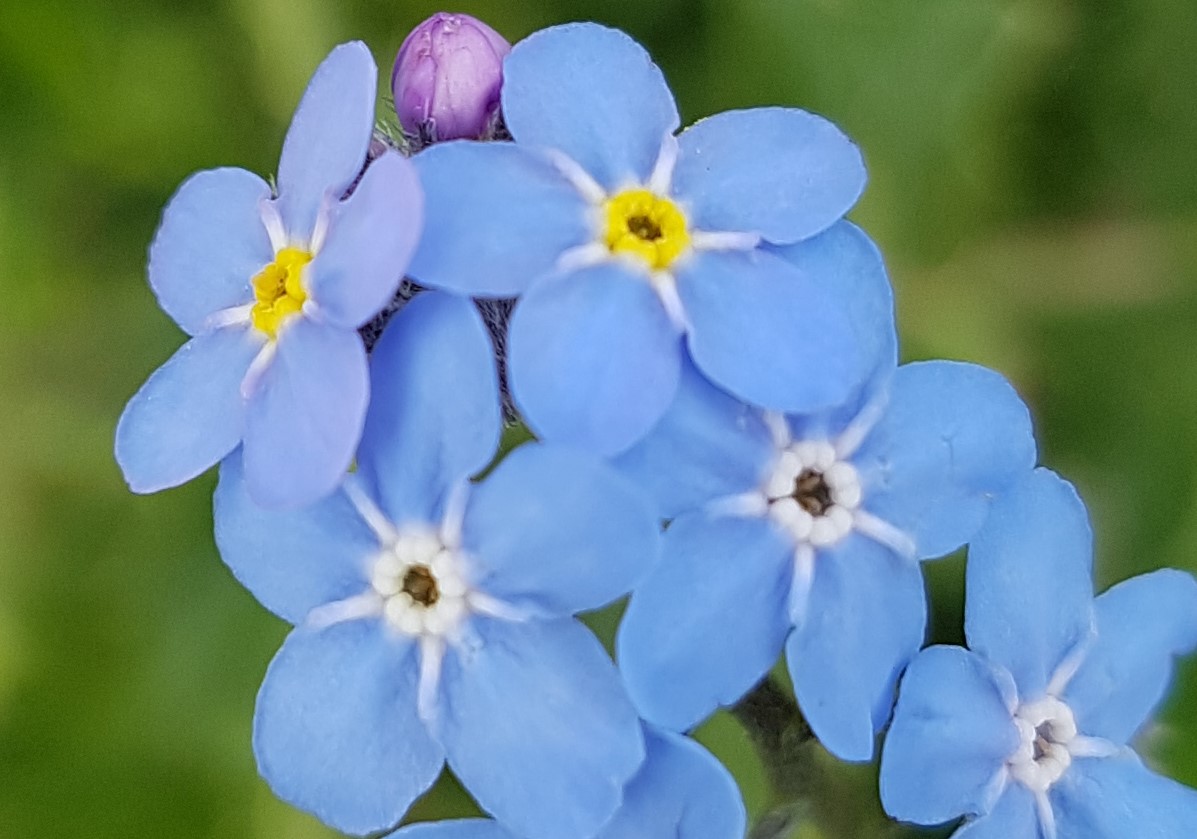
<point>371,238</point>
<point>292,561</point>
<point>189,414</point>
<point>305,415</point>
<point>326,144</point>
<point>434,414</point>
<point>592,93</point>
<point>767,332</point>
<point>953,436</point>
<point>594,359</point>
<point>865,620</point>
<point>537,727</point>
<point>1141,624</point>
<point>336,731</point>
<point>709,621</point>
<point>496,217</point>
<point>1118,797</point>
<point>779,172</point>
<point>210,244</point>
<point>531,529</point>
<point>453,829</point>
<point>1029,591</point>
<point>1013,817</point>
<point>706,446</point>
<point>951,735</point>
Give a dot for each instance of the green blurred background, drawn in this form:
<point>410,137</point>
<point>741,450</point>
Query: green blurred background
<point>1033,186</point>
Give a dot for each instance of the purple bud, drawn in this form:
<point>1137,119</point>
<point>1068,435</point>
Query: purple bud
<point>447,77</point>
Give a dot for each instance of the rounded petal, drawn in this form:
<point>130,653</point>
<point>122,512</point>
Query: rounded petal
<point>1118,797</point>
<point>189,414</point>
<point>780,172</point>
<point>209,245</point>
<point>291,561</point>
<point>709,621</point>
<point>592,93</point>
<point>1142,624</point>
<point>1029,591</point>
<point>496,217</point>
<point>534,714</point>
<point>453,829</point>
<point>531,528</point>
<point>371,238</point>
<point>767,332</point>
<point>305,415</point>
<point>594,359</point>
<point>1013,817</point>
<point>951,735</point>
<point>326,144</point>
<point>866,619</point>
<point>434,414</point>
<point>336,731</point>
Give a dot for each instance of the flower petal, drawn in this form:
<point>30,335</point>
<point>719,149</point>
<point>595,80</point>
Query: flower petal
<point>189,414</point>
<point>434,414</point>
<point>326,144</point>
<point>537,714</point>
<point>780,172</point>
<point>453,829</point>
<point>593,357</point>
<point>1014,815</point>
<point>371,238</point>
<point>1029,591</point>
<point>305,415</point>
<point>767,332</point>
<point>951,735</point>
<point>496,218</point>
<point>592,93</point>
<point>1118,797</point>
<point>336,731</point>
<point>865,620</point>
<point>209,245</point>
<point>1141,624</point>
<point>709,621</point>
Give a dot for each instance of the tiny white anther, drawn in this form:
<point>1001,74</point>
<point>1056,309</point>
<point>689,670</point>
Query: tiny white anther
<point>662,175</point>
<point>257,369</point>
<point>578,177</point>
<point>709,240</point>
<point>272,220</point>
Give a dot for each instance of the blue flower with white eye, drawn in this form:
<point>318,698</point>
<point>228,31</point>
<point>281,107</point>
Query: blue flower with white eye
<point>625,241</point>
<point>272,290</point>
<point>433,616</point>
<point>1026,734</point>
<point>806,531</point>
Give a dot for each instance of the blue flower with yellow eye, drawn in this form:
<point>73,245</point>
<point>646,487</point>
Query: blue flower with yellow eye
<point>272,289</point>
<point>629,244</point>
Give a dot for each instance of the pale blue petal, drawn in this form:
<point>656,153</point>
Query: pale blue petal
<point>1013,817</point>
<point>496,218</point>
<point>453,829</point>
<point>709,621</point>
<point>291,560</point>
<point>189,414</point>
<point>865,619</point>
<point>780,172</point>
<point>1029,591</point>
<point>326,144</point>
<point>592,93</point>
<point>951,735</point>
<point>558,529</point>
<point>305,415</point>
<point>1142,624</point>
<point>593,357</point>
<point>371,238</point>
<point>767,332</point>
<point>537,727</point>
<point>953,437</point>
<point>336,731</point>
<point>434,413</point>
<point>1118,798</point>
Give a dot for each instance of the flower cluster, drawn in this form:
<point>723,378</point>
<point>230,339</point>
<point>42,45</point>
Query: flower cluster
<point>704,351</point>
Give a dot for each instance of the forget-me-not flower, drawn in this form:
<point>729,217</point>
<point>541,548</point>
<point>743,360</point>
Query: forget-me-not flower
<point>1027,733</point>
<point>626,241</point>
<point>272,289</point>
<point>434,616</point>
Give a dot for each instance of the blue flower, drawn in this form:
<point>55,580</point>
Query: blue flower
<point>624,239</point>
<point>271,290</point>
<point>434,615</point>
<point>1027,733</point>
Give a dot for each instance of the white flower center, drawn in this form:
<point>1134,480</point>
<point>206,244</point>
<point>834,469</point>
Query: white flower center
<point>423,584</point>
<point>1047,731</point>
<point>813,494</point>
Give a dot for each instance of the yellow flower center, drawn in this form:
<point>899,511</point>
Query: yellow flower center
<point>647,225</point>
<point>278,289</point>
